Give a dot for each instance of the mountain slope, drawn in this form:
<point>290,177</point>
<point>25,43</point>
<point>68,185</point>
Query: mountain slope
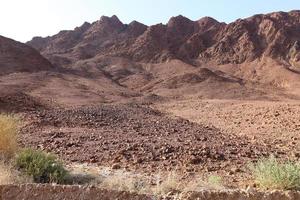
<point>18,57</point>
<point>28,81</point>
<point>274,35</point>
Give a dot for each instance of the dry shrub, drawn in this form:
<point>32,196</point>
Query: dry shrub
<point>8,135</point>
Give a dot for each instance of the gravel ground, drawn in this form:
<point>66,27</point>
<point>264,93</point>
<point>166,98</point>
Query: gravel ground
<point>139,138</point>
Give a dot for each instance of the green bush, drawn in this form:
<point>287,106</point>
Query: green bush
<point>272,174</point>
<point>42,167</point>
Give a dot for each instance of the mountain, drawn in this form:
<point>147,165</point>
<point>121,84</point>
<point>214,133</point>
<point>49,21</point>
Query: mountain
<point>18,57</point>
<point>88,40</point>
<point>180,38</point>
<point>109,61</point>
<point>28,81</point>
<point>274,35</point>
<point>262,49</point>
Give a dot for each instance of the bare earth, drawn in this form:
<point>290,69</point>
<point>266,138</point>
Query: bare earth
<point>193,137</point>
<point>274,124</point>
<point>269,120</point>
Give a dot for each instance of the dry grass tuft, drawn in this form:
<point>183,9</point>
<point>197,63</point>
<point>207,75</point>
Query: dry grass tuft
<point>8,136</point>
<point>168,184</point>
<point>124,182</point>
<point>212,182</point>
<point>9,175</point>
<point>6,175</point>
<point>164,184</point>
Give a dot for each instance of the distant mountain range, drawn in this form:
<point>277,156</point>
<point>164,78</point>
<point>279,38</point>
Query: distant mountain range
<point>274,35</point>
<point>252,56</point>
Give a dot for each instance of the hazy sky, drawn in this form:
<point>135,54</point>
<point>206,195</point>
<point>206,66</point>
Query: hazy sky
<point>23,19</point>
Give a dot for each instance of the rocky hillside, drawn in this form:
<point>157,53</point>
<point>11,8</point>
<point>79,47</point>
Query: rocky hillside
<point>180,38</point>
<point>261,49</point>
<point>18,57</point>
<point>109,61</point>
<point>274,35</point>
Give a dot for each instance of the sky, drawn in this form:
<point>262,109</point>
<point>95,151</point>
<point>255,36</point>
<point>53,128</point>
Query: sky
<point>23,19</point>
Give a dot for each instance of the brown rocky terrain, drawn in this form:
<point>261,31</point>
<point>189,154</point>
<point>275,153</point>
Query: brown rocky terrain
<point>114,61</point>
<point>262,49</point>
<point>273,35</point>
<point>197,96</point>
<point>139,138</point>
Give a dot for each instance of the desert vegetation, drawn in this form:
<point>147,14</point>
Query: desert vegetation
<point>17,163</point>
<point>161,184</point>
<point>6,174</point>
<point>8,147</point>
<point>8,136</point>
<point>42,167</point>
<point>269,173</point>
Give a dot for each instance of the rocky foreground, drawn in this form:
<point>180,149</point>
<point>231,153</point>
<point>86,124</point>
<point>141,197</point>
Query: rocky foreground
<point>160,98</point>
<point>136,137</point>
<point>47,192</point>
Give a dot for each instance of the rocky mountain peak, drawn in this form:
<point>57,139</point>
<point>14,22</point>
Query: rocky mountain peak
<point>178,21</point>
<point>110,21</point>
<point>207,21</point>
<point>136,28</point>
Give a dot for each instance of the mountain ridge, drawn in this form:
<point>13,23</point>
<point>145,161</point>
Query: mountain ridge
<point>181,38</point>
<point>109,61</point>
